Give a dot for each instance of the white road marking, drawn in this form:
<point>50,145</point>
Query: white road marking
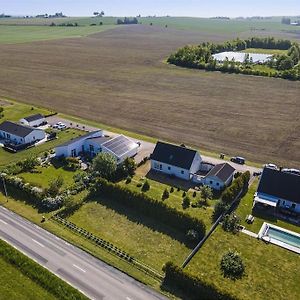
<point>38,243</point>
<point>3,222</point>
<point>84,271</point>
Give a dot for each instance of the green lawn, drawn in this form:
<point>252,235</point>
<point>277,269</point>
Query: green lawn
<point>138,235</point>
<point>271,272</point>
<point>25,34</point>
<point>245,208</point>
<point>63,136</point>
<point>48,174</point>
<point>14,111</point>
<point>265,51</point>
<point>15,285</point>
<point>175,199</point>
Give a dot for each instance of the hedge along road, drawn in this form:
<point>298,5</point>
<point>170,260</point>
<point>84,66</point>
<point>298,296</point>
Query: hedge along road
<point>146,148</point>
<point>91,276</point>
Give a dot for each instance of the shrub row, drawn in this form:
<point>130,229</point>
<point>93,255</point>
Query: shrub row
<point>147,206</point>
<point>192,286</point>
<point>51,283</point>
<point>240,183</point>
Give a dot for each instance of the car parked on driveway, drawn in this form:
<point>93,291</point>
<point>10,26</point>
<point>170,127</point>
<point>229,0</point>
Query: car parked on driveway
<point>271,166</point>
<point>238,160</point>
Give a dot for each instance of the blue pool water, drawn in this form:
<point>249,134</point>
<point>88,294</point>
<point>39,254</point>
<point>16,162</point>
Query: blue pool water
<point>285,237</point>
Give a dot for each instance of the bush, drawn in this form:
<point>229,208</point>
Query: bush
<point>232,265</point>
<point>128,179</point>
<point>231,223</point>
<point>192,235</point>
<point>186,202</point>
<point>193,287</point>
<point>194,194</point>
<point>51,204</point>
<point>219,209</point>
<point>147,206</point>
<point>146,186</point>
<point>55,186</point>
<point>183,194</point>
<point>165,195</point>
<point>104,165</point>
<point>172,190</point>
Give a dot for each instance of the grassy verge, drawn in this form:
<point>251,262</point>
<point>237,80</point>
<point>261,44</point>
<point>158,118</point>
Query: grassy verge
<point>42,277</point>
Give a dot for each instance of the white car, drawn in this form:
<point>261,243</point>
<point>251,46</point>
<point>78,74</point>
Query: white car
<point>292,171</point>
<point>270,166</point>
<point>61,126</point>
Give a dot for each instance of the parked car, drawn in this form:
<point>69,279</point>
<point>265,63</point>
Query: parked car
<point>55,126</point>
<point>270,166</point>
<point>61,126</point>
<point>238,159</point>
<point>292,171</point>
<point>256,174</point>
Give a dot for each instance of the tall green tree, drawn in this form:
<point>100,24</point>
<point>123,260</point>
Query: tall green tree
<point>104,165</point>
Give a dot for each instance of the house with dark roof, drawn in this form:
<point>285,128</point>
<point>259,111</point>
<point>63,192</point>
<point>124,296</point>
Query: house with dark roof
<point>14,133</point>
<point>178,161</point>
<point>95,142</point>
<point>278,190</point>
<point>34,120</point>
<point>219,176</point>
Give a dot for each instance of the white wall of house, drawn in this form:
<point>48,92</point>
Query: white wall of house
<point>283,203</point>
<point>35,135</point>
<point>34,123</point>
<point>213,182</point>
<point>78,146</point>
<point>196,163</point>
<point>170,170</point>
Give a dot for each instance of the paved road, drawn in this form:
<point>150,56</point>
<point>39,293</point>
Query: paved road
<point>94,278</point>
<point>147,148</point>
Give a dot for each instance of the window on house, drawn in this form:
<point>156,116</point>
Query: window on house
<point>293,205</point>
<point>91,148</point>
<point>160,166</point>
<point>156,165</point>
<point>169,168</point>
<point>218,183</point>
<point>211,182</point>
<point>73,153</point>
<point>182,172</point>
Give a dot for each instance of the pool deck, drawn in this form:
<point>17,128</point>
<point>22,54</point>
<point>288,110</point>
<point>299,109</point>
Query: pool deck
<point>264,237</point>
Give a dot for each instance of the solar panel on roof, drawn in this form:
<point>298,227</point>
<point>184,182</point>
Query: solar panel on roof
<point>120,145</point>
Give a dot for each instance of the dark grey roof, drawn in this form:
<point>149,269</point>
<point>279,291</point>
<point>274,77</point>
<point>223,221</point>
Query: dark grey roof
<point>100,140</point>
<point>84,136</point>
<point>16,129</point>
<point>222,171</point>
<point>174,155</point>
<point>120,145</point>
<point>34,117</point>
<point>280,184</point>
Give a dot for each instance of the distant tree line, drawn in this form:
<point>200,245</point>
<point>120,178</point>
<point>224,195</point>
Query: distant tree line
<point>56,15</point>
<point>4,16</point>
<point>65,24</point>
<point>286,20</point>
<point>201,57</point>
<point>127,20</point>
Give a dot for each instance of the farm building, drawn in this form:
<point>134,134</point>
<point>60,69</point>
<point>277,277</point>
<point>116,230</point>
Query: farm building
<point>219,176</point>
<point>278,190</point>
<point>175,160</point>
<point>95,142</point>
<point>20,134</point>
<point>34,120</point>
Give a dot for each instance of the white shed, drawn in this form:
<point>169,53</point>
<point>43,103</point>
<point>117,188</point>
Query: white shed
<point>34,120</point>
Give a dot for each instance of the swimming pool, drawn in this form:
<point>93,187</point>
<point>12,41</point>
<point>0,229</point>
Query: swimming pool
<point>280,236</point>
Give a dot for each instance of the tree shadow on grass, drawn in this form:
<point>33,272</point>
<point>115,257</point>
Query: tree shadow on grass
<point>131,214</point>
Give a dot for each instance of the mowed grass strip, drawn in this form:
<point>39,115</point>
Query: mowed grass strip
<point>130,232</point>
<point>42,277</point>
<point>254,117</point>
<point>270,270</point>
<point>15,285</point>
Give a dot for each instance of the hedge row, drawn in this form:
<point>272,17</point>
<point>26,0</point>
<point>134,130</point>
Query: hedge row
<point>192,286</point>
<point>51,283</point>
<point>148,206</point>
<point>240,183</point>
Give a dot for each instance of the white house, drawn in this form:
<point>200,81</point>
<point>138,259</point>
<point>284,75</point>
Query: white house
<point>175,160</point>
<point>278,190</point>
<point>76,146</point>
<point>20,134</point>
<point>95,142</point>
<point>34,120</point>
<point>219,176</point>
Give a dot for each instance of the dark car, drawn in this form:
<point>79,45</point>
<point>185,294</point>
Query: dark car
<point>256,174</point>
<point>238,160</point>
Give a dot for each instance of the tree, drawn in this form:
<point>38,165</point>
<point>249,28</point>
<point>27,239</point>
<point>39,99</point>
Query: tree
<point>29,163</point>
<point>129,166</point>
<point>186,202</point>
<point>286,21</point>
<point>165,194</point>
<point>1,112</point>
<point>232,265</point>
<point>55,186</point>
<point>102,13</point>
<point>104,165</point>
<point>96,13</point>
<point>206,193</point>
<point>231,223</point>
<point>219,209</point>
<point>192,235</point>
<point>146,186</point>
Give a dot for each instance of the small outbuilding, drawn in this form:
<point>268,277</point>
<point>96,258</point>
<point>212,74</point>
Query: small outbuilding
<point>219,176</point>
<point>34,120</point>
<point>18,134</point>
<point>178,161</point>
